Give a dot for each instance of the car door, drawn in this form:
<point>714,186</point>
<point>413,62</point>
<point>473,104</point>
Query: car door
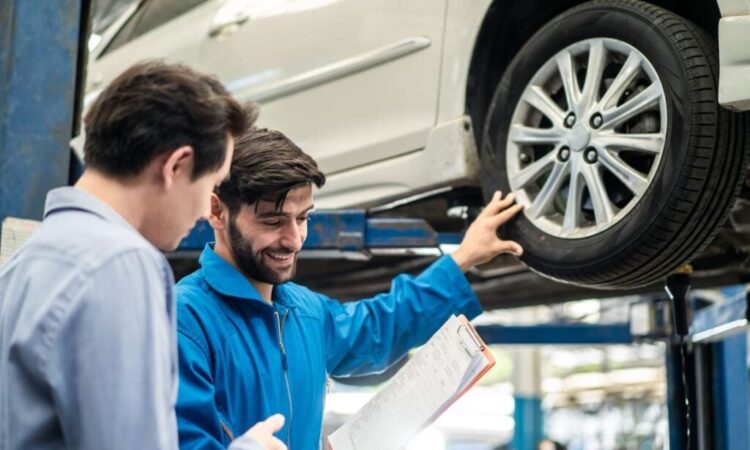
<point>156,29</point>
<point>352,82</point>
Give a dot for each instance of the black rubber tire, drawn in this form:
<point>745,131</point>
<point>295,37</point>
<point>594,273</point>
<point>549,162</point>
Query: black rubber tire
<point>700,173</point>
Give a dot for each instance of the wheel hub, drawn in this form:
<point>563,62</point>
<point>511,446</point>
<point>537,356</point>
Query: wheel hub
<point>579,137</point>
<point>577,155</point>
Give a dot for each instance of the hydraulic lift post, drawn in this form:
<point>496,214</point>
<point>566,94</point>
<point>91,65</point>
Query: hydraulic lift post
<point>40,56</point>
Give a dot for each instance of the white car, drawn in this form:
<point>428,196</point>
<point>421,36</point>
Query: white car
<point>603,117</point>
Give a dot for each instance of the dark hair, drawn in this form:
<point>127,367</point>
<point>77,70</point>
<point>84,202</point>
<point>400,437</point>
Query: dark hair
<point>266,166</point>
<point>154,108</point>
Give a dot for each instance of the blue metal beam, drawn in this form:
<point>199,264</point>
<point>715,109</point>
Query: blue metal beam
<point>553,334</point>
<point>713,323</point>
<point>350,230</point>
<point>386,232</point>
<point>340,230</point>
<point>39,48</point>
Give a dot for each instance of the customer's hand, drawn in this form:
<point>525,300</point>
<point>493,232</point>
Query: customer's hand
<point>481,242</point>
<point>260,436</point>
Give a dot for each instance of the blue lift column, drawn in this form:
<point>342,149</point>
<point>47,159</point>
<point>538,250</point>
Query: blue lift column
<point>527,395</point>
<point>721,332</point>
<point>39,59</point>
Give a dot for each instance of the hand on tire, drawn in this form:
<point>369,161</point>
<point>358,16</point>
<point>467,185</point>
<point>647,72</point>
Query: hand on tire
<point>261,433</point>
<point>481,242</point>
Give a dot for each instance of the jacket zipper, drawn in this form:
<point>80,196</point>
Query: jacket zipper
<point>227,431</point>
<point>280,324</point>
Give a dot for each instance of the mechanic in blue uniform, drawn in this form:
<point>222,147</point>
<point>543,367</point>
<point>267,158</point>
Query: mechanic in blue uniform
<point>252,343</point>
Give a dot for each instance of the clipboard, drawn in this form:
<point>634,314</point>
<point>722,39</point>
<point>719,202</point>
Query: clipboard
<point>442,371</point>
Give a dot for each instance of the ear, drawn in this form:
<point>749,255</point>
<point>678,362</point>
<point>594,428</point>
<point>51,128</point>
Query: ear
<point>178,164</point>
<point>219,217</point>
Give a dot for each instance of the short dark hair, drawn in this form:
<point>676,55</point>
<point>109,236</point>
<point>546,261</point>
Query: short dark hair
<point>154,108</point>
<point>266,166</point>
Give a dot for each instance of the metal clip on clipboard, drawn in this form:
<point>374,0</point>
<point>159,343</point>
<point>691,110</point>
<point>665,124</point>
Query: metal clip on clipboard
<point>466,332</point>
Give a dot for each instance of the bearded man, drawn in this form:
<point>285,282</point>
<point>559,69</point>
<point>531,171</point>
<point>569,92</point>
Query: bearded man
<point>252,343</point>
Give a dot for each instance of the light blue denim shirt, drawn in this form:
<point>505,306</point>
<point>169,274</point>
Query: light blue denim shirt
<point>87,339</point>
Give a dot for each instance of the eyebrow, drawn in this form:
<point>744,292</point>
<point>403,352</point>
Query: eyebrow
<point>268,214</point>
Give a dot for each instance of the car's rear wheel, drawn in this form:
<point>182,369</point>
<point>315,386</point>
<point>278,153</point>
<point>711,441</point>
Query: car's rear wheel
<point>607,128</point>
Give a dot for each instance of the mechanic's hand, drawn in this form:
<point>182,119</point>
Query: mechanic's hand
<point>261,433</point>
<point>481,242</point>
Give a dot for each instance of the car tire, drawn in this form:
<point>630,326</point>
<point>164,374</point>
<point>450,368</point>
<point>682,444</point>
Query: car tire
<point>567,229</point>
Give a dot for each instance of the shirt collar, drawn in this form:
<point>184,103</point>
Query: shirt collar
<point>67,198</point>
<point>227,280</point>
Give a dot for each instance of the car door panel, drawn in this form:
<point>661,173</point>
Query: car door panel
<point>352,82</point>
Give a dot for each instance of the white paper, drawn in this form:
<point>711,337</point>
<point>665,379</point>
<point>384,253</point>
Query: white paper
<point>14,234</point>
<point>412,397</point>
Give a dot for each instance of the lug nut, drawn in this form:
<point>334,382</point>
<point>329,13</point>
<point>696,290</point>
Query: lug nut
<point>591,155</point>
<point>596,120</point>
<point>570,120</point>
<point>524,158</point>
<point>564,154</point>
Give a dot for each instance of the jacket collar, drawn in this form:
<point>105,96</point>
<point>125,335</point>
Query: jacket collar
<point>228,281</point>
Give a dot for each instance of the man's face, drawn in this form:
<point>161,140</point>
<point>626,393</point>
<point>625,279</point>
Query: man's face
<point>265,242</point>
<point>190,201</point>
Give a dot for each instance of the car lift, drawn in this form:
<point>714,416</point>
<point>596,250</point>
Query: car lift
<point>41,62</point>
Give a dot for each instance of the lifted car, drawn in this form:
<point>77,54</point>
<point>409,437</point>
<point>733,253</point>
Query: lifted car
<point>603,117</point>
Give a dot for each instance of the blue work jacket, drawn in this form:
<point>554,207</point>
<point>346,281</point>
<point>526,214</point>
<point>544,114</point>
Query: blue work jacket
<point>242,359</point>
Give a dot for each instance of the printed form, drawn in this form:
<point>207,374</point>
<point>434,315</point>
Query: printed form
<point>440,372</point>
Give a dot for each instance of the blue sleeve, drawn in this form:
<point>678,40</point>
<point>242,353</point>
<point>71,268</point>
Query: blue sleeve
<point>366,336</point>
<point>198,419</point>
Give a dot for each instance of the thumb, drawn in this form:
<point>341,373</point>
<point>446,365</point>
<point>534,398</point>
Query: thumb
<point>273,423</point>
<point>510,247</point>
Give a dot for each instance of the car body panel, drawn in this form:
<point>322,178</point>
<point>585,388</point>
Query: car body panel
<point>370,89</point>
<point>348,121</point>
<point>734,54</point>
<point>358,87</point>
<point>731,8</point>
<point>449,158</point>
<point>463,22</point>
<point>178,40</point>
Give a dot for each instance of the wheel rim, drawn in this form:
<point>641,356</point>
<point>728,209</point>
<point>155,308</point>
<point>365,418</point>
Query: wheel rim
<point>586,138</point>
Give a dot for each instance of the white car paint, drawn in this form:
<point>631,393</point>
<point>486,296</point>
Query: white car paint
<point>373,90</point>
<point>734,54</point>
<point>356,87</point>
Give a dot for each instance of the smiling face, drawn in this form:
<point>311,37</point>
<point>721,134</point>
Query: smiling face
<point>264,241</point>
<point>259,215</point>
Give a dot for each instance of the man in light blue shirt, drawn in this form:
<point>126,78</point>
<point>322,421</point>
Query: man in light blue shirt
<point>87,315</point>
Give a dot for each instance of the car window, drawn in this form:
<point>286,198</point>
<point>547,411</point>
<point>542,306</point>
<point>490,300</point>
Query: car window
<point>150,15</point>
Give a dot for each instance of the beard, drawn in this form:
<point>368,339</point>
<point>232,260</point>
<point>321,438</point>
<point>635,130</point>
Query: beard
<point>251,262</point>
